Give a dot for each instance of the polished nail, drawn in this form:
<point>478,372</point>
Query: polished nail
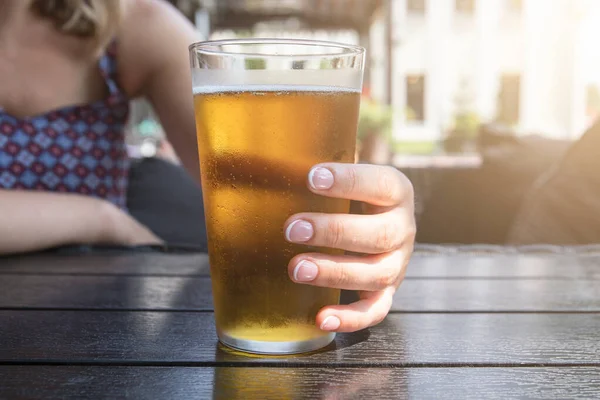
<point>299,231</point>
<point>331,323</point>
<point>320,178</point>
<point>305,271</point>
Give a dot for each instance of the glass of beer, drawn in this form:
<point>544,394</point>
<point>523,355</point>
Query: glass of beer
<point>267,110</point>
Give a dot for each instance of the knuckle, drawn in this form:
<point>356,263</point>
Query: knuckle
<point>403,181</point>
<point>351,185</point>
<point>334,233</point>
<point>388,278</point>
<point>337,276</point>
<point>386,238</point>
<point>411,234</point>
<point>388,187</point>
<point>408,186</point>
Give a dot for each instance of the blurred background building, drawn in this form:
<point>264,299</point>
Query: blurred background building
<point>443,63</point>
<point>474,100</point>
<point>512,61</point>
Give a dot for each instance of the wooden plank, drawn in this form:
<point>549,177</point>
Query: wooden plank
<point>190,293</point>
<point>105,292</point>
<point>76,382</point>
<point>146,264</point>
<point>497,295</point>
<point>461,265</point>
<point>549,266</point>
<point>164,338</point>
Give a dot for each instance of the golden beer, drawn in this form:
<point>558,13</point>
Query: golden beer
<point>257,145</point>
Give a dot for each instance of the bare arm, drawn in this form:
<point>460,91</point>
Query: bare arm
<point>32,221</point>
<point>154,63</point>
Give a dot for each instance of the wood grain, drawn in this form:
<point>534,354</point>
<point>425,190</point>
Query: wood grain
<point>518,266</point>
<point>105,292</point>
<point>123,263</point>
<point>497,295</point>
<point>76,382</point>
<point>401,340</point>
<point>140,325</point>
<point>191,293</point>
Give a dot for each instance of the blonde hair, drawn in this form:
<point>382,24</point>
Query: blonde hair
<point>97,20</point>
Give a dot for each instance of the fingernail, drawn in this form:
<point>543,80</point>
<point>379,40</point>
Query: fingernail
<point>299,231</point>
<point>320,178</point>
<point>331,323</point>
<point>305,271</point>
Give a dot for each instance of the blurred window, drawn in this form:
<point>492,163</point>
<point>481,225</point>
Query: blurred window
<point>593,101</point>
<point>415,97</point>
<point>509,99</point>
<point>298,64</point>
<point>465,6</point>
<point>515,5</point>
<point>416,6</point>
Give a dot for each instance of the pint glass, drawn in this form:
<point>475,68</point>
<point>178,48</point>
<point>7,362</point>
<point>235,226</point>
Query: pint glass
<point>266,111</point>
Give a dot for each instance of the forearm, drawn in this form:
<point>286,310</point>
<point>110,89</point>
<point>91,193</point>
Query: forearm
<point>32,221</point>
<point>163,68</point>
<point>187,151</point>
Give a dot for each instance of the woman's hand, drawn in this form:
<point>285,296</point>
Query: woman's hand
<point>33,221</point>
<point>385,236</point>
<point>122,229</point>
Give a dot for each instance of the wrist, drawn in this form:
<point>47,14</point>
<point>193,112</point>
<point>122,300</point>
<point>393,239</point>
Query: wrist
<point>110,218</point>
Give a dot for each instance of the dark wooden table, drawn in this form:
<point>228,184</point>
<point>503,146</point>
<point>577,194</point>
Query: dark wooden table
<point>467,323</point>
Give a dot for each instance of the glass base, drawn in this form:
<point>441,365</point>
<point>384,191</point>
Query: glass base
<point>273,348</point>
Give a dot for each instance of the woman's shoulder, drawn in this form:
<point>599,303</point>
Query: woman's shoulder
<point>153,36</point>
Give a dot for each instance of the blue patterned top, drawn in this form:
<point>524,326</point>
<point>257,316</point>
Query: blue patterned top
<point>76,149</point>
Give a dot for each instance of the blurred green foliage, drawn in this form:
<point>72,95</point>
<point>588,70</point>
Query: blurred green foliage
<point>466,125</point>
<point>374,118</point>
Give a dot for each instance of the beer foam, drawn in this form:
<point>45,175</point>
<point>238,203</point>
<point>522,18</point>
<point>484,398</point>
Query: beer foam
<point>214,80</point>
<point>271,88</point>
